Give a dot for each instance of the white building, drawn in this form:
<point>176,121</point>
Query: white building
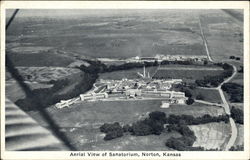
<point>93,96</point>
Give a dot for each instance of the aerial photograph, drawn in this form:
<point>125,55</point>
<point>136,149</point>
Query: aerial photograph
<point>124,80</point>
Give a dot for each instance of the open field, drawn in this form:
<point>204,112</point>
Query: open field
<point>40,59</point>
<point>189,73</point>
<point>211,135</point>
<point>223,34</point>
<point>208,95</point>
<point>112,35</point>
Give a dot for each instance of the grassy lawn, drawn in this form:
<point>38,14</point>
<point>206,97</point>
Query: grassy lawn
<point>209,95</point>
<point>186,74</point>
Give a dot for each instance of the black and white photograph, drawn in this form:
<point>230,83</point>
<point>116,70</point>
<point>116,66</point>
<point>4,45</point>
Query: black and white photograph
<point>161,80</point>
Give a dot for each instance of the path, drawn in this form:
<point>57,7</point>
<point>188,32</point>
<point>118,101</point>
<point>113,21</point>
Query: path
<point>209,103</point>
<point>234,131</point>
<point>225,105</point>
<point>205,42</point>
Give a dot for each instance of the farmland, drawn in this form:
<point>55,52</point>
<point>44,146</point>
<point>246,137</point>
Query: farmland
<point>211,135</point>
<point>46,74</point>
<point>123,35</point>
<point>186,72</point>
<point>223,34</point>
<point>208,95</point>
<point>39,59</point>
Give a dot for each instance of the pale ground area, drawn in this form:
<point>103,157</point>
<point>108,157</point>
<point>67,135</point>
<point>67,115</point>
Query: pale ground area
<point>44,74</point>
<point>211,135</point>
<point>240,137</point>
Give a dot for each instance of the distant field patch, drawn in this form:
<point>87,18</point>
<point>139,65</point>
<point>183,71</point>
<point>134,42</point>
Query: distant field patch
<point>45,74</point>
<point>30,49</point>
<point>211,135</point>
<point>129,74</point>
<point>191,73</point>
<point>39,59</point>
<point>207,94</point>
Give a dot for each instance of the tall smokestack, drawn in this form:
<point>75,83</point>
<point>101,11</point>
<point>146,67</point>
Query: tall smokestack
<point>148,75</point>
<point>144,71</point>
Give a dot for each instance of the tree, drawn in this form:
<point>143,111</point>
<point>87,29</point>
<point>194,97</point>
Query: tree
<point>158,116</point>
<point>241,70</point>
<point>188,93</point>
<point>141,129</point>
<point>189,101</point>
<point>232,57</point>
<point>237,115</point>
<point>112,130</point>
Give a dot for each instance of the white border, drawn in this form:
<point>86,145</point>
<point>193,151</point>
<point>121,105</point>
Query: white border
<point>130,5</point>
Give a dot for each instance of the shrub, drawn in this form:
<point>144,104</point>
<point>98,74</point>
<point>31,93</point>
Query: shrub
<point>234,90</point>
<point>189,101</point>
<point>232,57</point>
<point>237,115</point>
<point>113,135</point>
<point>158,116</point>
<point>141,129</point>
<point>112,130</point>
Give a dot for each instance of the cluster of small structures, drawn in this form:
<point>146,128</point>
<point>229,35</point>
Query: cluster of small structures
<point>160,58</point>
<point>144,88</point>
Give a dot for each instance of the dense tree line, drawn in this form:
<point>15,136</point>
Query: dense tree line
<point>99,67</point>
<point>190,120</point>
<point>237,115</point>
<point>49,96</point>
<point>234,90</point>
<point>154,124</point>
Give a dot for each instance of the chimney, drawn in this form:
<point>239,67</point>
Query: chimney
<point>144,71</point>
